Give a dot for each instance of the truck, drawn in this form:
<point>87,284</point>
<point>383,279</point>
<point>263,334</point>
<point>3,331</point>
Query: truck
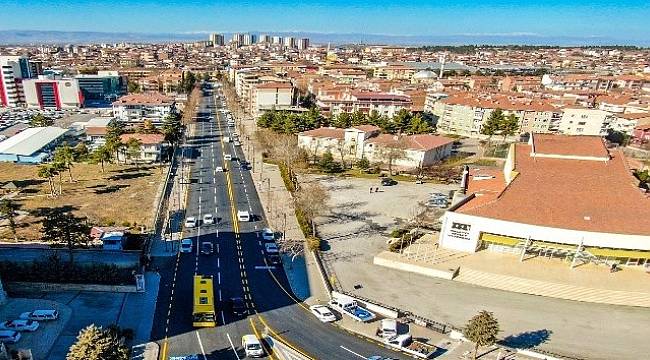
<point>407,344</point>
<point>348,306</point>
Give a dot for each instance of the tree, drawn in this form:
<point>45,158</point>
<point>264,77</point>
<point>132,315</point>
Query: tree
<point>342,120</point>
<point>65,156</point>
<point>618,137</point>
<point>343,150</point>
<point>328,164</point>
<point>47,172</point>
<point>482,330</point>
<point>147,127</point>
<point>393,151</point>
<point>419,126</point>
<point>8,210</point>
<point>81,152</point>
<point>173,128</point>
<point>102,155</point>
<point>402,120</point>
<point>312,200</point>
<point>114,131</point>
<point>493,124</point>
<point>96,343</point>
<point>62,227</point>
<point>59,168</point>
<point>133,87</point>
<point>40,120</point>
<point>359,118</point>
<point>509,126</point>
<point>133,149</point>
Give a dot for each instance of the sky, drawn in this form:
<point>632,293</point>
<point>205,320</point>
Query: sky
<point>621,20</point>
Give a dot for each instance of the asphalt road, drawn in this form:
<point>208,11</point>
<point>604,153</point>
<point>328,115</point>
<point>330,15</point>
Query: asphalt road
<point>238,265</point>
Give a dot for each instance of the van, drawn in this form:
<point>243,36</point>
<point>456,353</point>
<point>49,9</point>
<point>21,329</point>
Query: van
<point>40,315</point>
<point>252,346</point>
<point>243,215</point>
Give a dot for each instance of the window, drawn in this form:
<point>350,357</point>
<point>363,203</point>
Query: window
<point>579,130</point>
<point>582,123</point>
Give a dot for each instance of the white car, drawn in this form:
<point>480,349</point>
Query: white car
<point>186,245</point>
<point>243,215</point>
<point>227,157</point>
<point>40,315</point>
<point>252,346</point>
<point>271,248</point>
<point>19,325</point>
<point>237,143</point>
<point>190,222</point>
<point>208,219</point>
<point>219,169</point>
<point>268,234</point>
<point>9,336</point>
<point>323,313</point>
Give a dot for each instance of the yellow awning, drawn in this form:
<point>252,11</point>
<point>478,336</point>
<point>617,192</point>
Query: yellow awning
<point>552,245</point>
<point>500,239</point>
<point>618,253</point>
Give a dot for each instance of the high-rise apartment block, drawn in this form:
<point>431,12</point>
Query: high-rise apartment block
<point>217,39</point>
<point>13,69</point>
<point>303,43</point>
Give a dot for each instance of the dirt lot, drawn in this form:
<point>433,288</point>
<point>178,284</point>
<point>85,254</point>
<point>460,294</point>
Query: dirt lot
<point>121,195</point>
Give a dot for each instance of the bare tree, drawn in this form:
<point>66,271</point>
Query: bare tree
<point>393,151</point>
<point>312,199</point>
<point>342,149</point>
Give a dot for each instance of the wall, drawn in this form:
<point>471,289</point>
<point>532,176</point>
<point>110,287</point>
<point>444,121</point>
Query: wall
<point>46,287</point>
<point>456,238</point>
<point>118,258</point>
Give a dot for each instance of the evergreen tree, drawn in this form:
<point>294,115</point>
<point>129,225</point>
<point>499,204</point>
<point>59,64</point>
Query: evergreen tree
<point>62,227</point>
<point>133,149</point>
<point>358,118</point>
<point>81,152</point>
<point>342,121</point>
<point>8,210</point>
<point>173,128</point>
<point>493,124</point>
<point>40,120</point>
<point>402,120</point>
<point>102,155</point>
<point>95,343</point>
<point>509,126</point>
<point>482,330</point>
<point>419,126</point>
<point>65,156</point>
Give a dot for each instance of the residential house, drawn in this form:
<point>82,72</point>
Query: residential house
<point>135,109</point>
<point>151,148</point>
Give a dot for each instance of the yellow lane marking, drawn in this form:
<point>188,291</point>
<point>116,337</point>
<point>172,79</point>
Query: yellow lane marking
<point>163,353</point>
<point>259,337</point>
<point>283,340</point>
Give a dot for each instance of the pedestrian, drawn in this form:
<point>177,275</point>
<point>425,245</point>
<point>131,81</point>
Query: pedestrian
<point>371,189</point>
<point>377,189</point>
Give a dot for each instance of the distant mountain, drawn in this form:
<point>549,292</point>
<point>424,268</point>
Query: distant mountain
<point>21,37</point>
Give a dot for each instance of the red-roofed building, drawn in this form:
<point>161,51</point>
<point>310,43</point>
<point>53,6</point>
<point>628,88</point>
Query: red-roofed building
<point>561,196</point>
<point>365,141</point>
<point>151,147</point>
<point>641,134</point>
<point>134,109</point>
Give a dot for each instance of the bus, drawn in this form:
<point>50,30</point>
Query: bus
<point>203,312</point>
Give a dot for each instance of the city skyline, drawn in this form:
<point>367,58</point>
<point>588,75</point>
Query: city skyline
<point>494,18</point>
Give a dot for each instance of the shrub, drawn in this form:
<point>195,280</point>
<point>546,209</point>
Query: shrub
<point>397,246</point>
<point>313,243</point>
<point>397,232</point>
<point>363,163</point>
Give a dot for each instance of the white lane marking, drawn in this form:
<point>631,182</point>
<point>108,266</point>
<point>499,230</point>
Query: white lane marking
<point>219,278</point>
<point>220,295</point>
<point>218,263</point>
<point>352,352</point>
<point>266,268</point>
<point>231,344</point>
<point>201,346</point>
<point>223,319</point>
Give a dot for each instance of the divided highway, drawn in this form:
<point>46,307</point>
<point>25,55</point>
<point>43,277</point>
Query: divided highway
<point>237,265</point>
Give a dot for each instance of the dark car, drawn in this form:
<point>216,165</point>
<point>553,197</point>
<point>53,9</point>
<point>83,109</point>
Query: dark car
<point>274,259</point>
<point>388,182</point>
<point>207,248</point>
<point>237,306</point>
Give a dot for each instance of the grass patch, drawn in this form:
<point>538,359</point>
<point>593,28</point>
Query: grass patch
<point>123,194</point>
<point>485,162</point>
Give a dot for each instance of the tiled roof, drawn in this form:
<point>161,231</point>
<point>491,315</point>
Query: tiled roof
<point>325,132</point>
<point>597,196</point>
<point>144,99</point>
<point>567,145</point>
<point>145,139</point>
<point>366,128</point>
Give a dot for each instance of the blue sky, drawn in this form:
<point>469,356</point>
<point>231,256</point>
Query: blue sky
<point>623,19</point>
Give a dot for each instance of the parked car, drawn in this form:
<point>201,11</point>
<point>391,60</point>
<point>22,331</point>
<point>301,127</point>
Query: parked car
<point>271,248</point>
<point>207,248</point>
<point>40,315</point>
<point>237,306</point>
<point>186,245</point>
<point>268,234</point>
<point>19,325</point>
<point>388,182</point>
<point>190,222</point>
<point>208,219</point>
<point>9,336</point>
<point>323,313</point>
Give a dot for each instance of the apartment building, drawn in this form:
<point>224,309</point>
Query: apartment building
<point>465,114</point>
<point>52,94</point>
<point>583,121</point>
<point>102,89</point>
<point>13,69</point>
<point>385,104</point>
<point>134,109</point>
<point>272,95</point>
